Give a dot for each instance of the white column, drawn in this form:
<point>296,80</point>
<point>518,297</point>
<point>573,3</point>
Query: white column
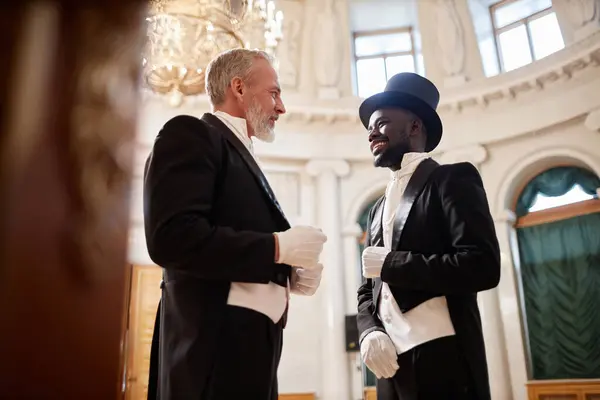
<point>351,235</point>
<point>510,307</point>
<point>450,50</point>
<point>307,200</point>
<point>578,19</point>
<point>335,382</point>
<point>495,345</point>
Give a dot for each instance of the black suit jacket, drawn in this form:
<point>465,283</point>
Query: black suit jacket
<point>209,220</point>
<point>444,244</point>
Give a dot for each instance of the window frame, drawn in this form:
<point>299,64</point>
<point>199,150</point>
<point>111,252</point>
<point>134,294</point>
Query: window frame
<point>385,56</point>
<point>526,21</point>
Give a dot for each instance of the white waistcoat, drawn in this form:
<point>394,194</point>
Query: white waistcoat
<point>429,320</point>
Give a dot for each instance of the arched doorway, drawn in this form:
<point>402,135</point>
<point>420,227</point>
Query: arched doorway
<point>558,263</point>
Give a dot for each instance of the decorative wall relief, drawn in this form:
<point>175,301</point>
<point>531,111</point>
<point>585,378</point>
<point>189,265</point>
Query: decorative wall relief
<point>451,40</point>
<point>475,154</point>
<point>327,54</point>
<point>288,52</point>
<point>583,12</point>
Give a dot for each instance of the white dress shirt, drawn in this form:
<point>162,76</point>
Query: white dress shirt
<point>269,299</point>
<point>429,320</point>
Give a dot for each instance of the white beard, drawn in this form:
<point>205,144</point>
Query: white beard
<point>260,124</point>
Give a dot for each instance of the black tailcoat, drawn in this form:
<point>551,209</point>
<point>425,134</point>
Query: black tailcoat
<point>444,244</point>
<point>209,220</point>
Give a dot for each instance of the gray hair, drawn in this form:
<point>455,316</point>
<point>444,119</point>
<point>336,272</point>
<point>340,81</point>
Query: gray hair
<point>228,65</point>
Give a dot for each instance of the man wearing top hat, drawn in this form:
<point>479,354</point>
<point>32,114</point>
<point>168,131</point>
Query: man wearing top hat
<point>431,246</point>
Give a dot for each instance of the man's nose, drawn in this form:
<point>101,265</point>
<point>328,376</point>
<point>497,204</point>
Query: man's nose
<point>374,134</point>
<point>279,107</point>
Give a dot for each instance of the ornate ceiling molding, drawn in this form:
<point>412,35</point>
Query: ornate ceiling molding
<point>475,154</point>
<point>537,77</point>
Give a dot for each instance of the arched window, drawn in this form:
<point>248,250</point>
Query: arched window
<point>558,232</point>
<point>362,221</point>
<point>369,377</point>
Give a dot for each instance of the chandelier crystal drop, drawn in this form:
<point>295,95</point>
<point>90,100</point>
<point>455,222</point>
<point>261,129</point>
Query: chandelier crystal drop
<point>184,35</point>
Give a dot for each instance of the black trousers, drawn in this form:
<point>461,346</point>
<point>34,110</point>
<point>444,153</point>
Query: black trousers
<point>435,370</point>
<point>249,352</point>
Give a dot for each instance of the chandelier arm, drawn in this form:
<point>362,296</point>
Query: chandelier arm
<point>184,37</point>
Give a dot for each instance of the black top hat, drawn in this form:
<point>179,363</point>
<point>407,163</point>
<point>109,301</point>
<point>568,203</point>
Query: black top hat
<point>413,93</point>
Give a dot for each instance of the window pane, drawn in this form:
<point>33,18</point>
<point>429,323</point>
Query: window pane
<point>514,47</point>
<point>370,74</point>
<point>420,65</point>
<point>517,10</point>
<point>575,195</point>
<point>397,64</point>
<point>489,57</point>
<point>546,37</point>
<point>382,44</point>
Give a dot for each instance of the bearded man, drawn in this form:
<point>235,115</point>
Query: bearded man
<point>213,223</point>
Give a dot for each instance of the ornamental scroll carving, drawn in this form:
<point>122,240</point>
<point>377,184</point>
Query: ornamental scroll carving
<point>451,40</point>
<point>475,154</point>
<point>289,48</point>
<point>327,45</point>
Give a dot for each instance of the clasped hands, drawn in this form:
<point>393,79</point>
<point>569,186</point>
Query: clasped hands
<point>301,247</point>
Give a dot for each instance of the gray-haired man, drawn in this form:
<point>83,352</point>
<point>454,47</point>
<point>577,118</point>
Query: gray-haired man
<point>213,223</point>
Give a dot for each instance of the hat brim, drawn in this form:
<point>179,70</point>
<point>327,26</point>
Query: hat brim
<point>430,118</point>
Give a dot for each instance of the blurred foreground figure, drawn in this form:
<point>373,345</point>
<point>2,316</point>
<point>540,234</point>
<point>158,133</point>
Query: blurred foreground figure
<point>214,225</point>
<point>68,103</point>
<point>431,246</point>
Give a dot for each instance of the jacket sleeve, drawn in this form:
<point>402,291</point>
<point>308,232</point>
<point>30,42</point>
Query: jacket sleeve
<point>473,265</point>
<point>366,318</point>
<point>180,180</point>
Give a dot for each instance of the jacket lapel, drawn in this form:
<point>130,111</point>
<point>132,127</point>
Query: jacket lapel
<point>376,240</point>
<point>413,190</point>
<point>217,124</point>
<point>376,228</point>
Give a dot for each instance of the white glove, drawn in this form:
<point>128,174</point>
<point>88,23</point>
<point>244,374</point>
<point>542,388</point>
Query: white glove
<point>306,281</point>
<point>372,261</point>
<point>379,354</point>
<point>300,246</point>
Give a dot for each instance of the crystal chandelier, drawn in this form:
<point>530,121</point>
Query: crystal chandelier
<point>184,35</point>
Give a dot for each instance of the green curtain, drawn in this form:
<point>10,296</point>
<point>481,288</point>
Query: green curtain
<point>556,182</point>
<point>362,221</point>
<point>560,271</point>
<point>368,376</point>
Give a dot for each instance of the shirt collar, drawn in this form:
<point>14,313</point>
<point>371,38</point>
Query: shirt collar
<point>238,126</point>
<point>410,162</point>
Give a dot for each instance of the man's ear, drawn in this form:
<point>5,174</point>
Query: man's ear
<point>416,126</point>
<point>238,88</point>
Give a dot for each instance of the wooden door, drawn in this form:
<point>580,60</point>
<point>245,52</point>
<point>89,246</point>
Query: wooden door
<point>68,98</point>
<point>145,294</point>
